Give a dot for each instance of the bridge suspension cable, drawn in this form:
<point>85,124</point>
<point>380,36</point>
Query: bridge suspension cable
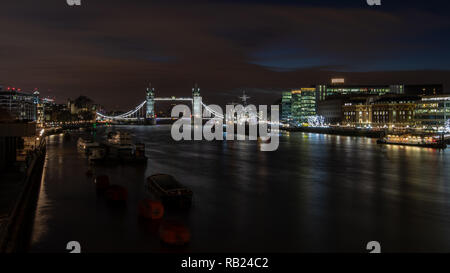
<point>124,115</point>
<point>130,113</point>
<point>212,111</point>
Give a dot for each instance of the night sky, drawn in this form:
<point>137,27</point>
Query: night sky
<point>110,50</point>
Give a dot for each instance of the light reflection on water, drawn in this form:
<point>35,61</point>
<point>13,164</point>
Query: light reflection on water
<point>315,193</point>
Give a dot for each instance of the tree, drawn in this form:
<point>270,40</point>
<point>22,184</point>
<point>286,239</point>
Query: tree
<point>82,102</point>
<point>316,121</point>
<point>64,116</point>
<point>86,115</point>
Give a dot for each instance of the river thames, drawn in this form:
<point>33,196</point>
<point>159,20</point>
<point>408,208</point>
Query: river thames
<point>316,193</point>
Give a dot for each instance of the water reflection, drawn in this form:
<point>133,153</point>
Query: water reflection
<point>315,193</point>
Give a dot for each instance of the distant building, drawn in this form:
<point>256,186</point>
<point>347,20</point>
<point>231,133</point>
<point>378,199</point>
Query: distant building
<point>397,89</point>
<point>336,81</point>
<point>20,105</point>
<point>82,104</point>
<point>433,111</point>
<point>424,89</point>
<point>286,100</point>
<point>390,110</point>
<point>303,104</point>
<point>321,91</point>
<point>43,106</point>
<point>74,109</point>
<point>297,105</point>
<point>13,137</point>
<point>394,110</point>
<point>328,101</point>
<point>331,109</point>
<point>340,89</point>
<point>357,111</point>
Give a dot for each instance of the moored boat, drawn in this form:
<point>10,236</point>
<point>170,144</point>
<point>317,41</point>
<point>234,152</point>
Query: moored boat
<point>427,141</point>
<point>86,143</point>
<point>119,138</point>
<point>96,154</point>
<point>119,146</point>
<point>168,189</point>
<point>139,153</point>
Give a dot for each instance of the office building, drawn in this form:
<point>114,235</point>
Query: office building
<point>331,109</point>
<point>390,110</point>
<point>333,90</point>
<point>286,98</point>
<point>20,105</point>
<point>433,111</point>
<point>424,89</point>
<point>303,104</point>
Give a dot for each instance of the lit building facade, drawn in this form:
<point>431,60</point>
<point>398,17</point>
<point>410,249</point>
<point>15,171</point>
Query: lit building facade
<point>332,90</point>
<point>303,104</point>
<point>42,107</point>
<point>433,111</point>
<point>286,100</point>
<point>339,103</point>
<point>413,90</point>
<point>357,111</point>
<point>381,111</point>
<point>20,105</point>
<point>395,111</point>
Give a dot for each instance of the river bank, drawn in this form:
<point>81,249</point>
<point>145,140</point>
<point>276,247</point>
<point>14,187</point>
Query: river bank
<point>18,201</point>
<point>338,131</point>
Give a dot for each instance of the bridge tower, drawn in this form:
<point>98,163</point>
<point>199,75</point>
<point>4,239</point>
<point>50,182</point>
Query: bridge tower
<point>196,102</point>
<point>150,99</point>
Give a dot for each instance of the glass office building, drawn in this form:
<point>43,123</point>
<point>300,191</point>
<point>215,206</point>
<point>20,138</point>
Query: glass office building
<point>286,98</point>
<point>20,105</point>
<point>303,104</point>
<point>433,111</point>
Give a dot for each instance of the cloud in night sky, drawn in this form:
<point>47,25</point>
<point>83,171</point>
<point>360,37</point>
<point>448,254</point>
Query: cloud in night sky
<point>110,50</point>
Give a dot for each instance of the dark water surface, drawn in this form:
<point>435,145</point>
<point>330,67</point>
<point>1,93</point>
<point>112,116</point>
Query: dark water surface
<point>315,193</point>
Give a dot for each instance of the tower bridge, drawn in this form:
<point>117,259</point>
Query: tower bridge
<point>147,113</point>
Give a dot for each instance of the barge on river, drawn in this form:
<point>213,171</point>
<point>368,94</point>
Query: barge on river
<point>171,192</point>
<point>418,140</point>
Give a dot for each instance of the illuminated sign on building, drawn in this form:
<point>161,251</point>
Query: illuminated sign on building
<point>338,81</point>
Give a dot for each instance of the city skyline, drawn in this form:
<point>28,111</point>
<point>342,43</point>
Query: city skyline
<point>224,134</point>
<point>105,49</point>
